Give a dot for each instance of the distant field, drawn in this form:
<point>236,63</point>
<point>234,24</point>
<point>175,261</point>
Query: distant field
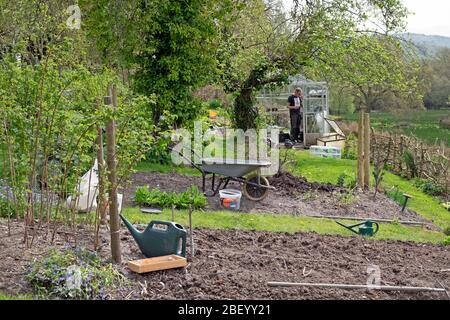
<point>423,124</point>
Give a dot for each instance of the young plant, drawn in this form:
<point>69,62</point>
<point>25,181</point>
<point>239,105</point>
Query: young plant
<point>73,274</point>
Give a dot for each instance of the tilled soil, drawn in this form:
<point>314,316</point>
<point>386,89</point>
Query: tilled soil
<point>294,195</point>
<point>237,265</point>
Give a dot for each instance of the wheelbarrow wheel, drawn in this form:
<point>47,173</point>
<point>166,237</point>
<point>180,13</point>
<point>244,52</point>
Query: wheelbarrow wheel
<point>256,193</point>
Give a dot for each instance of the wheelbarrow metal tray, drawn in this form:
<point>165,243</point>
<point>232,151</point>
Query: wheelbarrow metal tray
<point>231,167</point>
<point>157,263</point>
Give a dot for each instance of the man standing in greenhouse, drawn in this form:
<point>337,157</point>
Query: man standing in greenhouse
<point>295,105</point>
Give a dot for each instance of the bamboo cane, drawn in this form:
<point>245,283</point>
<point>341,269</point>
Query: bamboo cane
<point>413,223</point>
<point>191,238</point>
<point>356,287</point>
<point>360,150</point>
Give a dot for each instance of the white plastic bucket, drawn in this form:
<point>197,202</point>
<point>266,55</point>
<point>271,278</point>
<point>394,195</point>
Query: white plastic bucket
<point>230,199</point>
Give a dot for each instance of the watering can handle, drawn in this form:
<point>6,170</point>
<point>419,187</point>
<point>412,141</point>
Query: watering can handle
<point>165,223</point>
<point>377,228</point>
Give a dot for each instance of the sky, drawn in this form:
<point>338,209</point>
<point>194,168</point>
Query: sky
<point>431,17</point>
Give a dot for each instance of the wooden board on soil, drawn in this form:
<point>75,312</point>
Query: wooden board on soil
<point>157,263</point>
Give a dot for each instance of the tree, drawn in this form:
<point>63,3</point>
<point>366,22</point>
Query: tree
<point>436,76</point>
<point>169,45</point>
<point>316,38</point>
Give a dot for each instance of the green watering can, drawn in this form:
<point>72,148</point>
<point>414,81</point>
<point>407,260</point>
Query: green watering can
<point>160,238</point>
<point>365,228</point>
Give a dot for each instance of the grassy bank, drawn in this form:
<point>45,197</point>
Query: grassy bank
<point>328,171</point>
<point>423,124</point>
<point>282,223</point>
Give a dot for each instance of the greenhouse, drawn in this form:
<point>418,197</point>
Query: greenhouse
<point>316,108</point>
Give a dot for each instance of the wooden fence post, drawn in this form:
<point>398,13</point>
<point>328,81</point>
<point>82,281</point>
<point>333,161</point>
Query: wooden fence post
<point>367,151</point>
<point>114,221</point>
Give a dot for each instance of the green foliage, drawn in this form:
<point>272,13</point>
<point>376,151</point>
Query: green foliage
<point>214,104</point>
<point>435,74</point>
<point>283,223</point>
<point>408,158</point>
<point>447,231</point>
<point>350,151</point>
<point>396,194</point>
<point>341,180</point>
<point>447,241</point>
<point>169,44</point>
<point>327,42</point>
<point>346,181</point>
<point>6,208</point>
<point>429,187</point>
<point>422,124</point>
<point>51,277</point>
<point>341,100</point>
<point>155,197</point>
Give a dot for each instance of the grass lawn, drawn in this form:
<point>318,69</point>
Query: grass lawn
<point>281,223</point>
<point>328,170</point>
<point>423,124</point>
<point>20,297</point>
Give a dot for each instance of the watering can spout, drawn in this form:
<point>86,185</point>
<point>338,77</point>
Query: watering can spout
<point>137,235</point>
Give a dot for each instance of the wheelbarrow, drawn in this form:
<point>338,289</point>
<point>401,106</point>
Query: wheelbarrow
<point>246,172</point>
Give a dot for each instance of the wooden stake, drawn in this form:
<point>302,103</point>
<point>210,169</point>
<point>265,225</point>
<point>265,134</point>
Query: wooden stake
<point>114,221</point>
<point>101,180</point>
<point>351,286</point>
<point>366,164</point>
<point>191,238</point>
<point>173,213</point>
<point>361,150</point>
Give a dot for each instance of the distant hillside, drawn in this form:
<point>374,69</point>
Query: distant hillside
<point>427,45</point>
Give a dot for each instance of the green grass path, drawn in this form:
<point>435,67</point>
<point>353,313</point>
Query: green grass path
<point>281,223</point>
<point>328,171</point>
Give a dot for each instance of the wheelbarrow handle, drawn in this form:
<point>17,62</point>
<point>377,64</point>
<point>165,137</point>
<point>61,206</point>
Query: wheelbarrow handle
<point>186,158</point>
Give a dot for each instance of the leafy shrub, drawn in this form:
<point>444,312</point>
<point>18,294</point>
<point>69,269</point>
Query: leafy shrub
<point>447,241</point>
<point>159,152</point>
<point>350,150</point>
<point>429,187</point>
<point>73,274</point>
<point>6,208</point>
<point>395,194</point>
<point>155,197</point>
<point>447,231</point>
<point>341,180</point>
<point>214,104</point>
<point>345,181</point>
<point>410,161</point>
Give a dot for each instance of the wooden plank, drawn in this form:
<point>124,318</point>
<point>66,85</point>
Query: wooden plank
<point>157,264</point>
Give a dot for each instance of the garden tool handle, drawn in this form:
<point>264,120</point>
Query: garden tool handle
<point>377,228</point>
<point>165,223</point>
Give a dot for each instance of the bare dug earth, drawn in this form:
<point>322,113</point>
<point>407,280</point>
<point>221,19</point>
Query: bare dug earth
<point>294,195</point>
<point>237,265</point>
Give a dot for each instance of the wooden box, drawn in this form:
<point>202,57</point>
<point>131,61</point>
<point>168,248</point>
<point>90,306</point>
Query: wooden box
<point>157,263</point>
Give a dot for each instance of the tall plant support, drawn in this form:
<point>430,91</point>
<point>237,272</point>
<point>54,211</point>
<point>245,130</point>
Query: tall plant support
<point>114,221</point>
<point>367,151</point>
<point>364,150</point>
